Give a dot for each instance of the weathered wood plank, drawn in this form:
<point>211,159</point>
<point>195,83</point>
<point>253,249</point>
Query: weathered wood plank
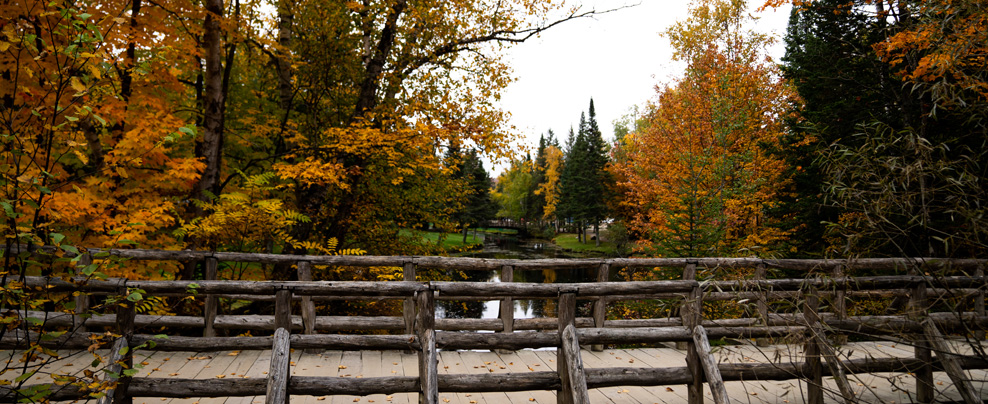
<point>278,376</point>
<point>600,360</point>
<point>450,363</point>
<point>949,360</point>
<point>488,363</point>
<point>392,363</point>
<point>239,369</point>
<point>515,362</point>
<point>350,367</point>
<point>258,370</point>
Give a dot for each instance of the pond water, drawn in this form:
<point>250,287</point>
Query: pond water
<point>508,247</point>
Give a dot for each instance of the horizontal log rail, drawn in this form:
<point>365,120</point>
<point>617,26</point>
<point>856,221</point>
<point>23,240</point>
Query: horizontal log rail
<point>464,263</point>
<point>418,330</point>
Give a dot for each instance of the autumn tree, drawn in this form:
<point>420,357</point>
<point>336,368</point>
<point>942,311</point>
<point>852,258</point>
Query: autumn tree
<point>513,191</point>
<point>537,200</point>
<point>548,189</point>
<point>700,176</point>
<point>379,88</point>
<point>98,135</point>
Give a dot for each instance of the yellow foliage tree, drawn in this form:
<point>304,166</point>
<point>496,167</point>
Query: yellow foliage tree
<point>700,178</point>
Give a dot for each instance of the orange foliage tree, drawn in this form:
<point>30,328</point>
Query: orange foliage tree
<point>133,121</point>
<point>699,177</point>
<point>97,142</point>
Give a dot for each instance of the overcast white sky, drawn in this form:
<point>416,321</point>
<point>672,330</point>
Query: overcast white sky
<point>617,58</point>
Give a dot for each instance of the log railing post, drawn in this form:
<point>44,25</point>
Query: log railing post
<point>839,303</point>
<point>506,310</point>
<point>308,307</point>
<point>81,298</point>
<point>425,324</point>
<point>569,351</point>
<point>600,305</point>
<point>209,311</point>
<point>714,379</point>
<point>814,367</point>
<point>126,312</point>
<point>280,370</point>
<point>283,309</point>
<point>566,314</point>
<point>116,370</point>
<point>691,302</point>
<point>761,274</point>
<point>408,310</point>
<point>979,302</point>
<point>946,356</point>
<point>917,311</point>
<point>692,314</point>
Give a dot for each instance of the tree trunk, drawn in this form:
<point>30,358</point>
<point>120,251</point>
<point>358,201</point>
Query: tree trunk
<point>212,139</point>
<point>367,98</point>
<point>127,78</point>
<point>596,233</point>
<point>285,20</point>
<point>465,235</point>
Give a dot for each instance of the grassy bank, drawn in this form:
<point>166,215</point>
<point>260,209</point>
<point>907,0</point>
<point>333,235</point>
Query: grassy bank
<point>569,242</point>
<point>448,241</point>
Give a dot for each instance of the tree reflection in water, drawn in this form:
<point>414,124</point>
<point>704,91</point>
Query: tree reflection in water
<point>506,247</point>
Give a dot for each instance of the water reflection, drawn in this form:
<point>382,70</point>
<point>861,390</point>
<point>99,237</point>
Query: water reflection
<point>507,247</point>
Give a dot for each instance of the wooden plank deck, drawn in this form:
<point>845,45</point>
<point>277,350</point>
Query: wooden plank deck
<point>888,388</point>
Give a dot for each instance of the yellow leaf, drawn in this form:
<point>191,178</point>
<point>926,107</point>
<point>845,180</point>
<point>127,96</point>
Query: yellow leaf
<point>4,45</point>
<point>95,71</point>
<point>77,84</point>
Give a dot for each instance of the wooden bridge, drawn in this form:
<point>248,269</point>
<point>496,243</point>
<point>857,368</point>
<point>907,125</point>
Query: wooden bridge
<point>928,349</point>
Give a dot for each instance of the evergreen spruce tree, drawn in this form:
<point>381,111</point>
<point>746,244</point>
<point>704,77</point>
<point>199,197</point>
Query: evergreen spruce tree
<point>582,191</point>
<point>569,189</point>
<point>477,206</point>
<point>594,202</point>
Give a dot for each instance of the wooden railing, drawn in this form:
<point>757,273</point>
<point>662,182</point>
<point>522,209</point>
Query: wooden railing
<point>421,332</point>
